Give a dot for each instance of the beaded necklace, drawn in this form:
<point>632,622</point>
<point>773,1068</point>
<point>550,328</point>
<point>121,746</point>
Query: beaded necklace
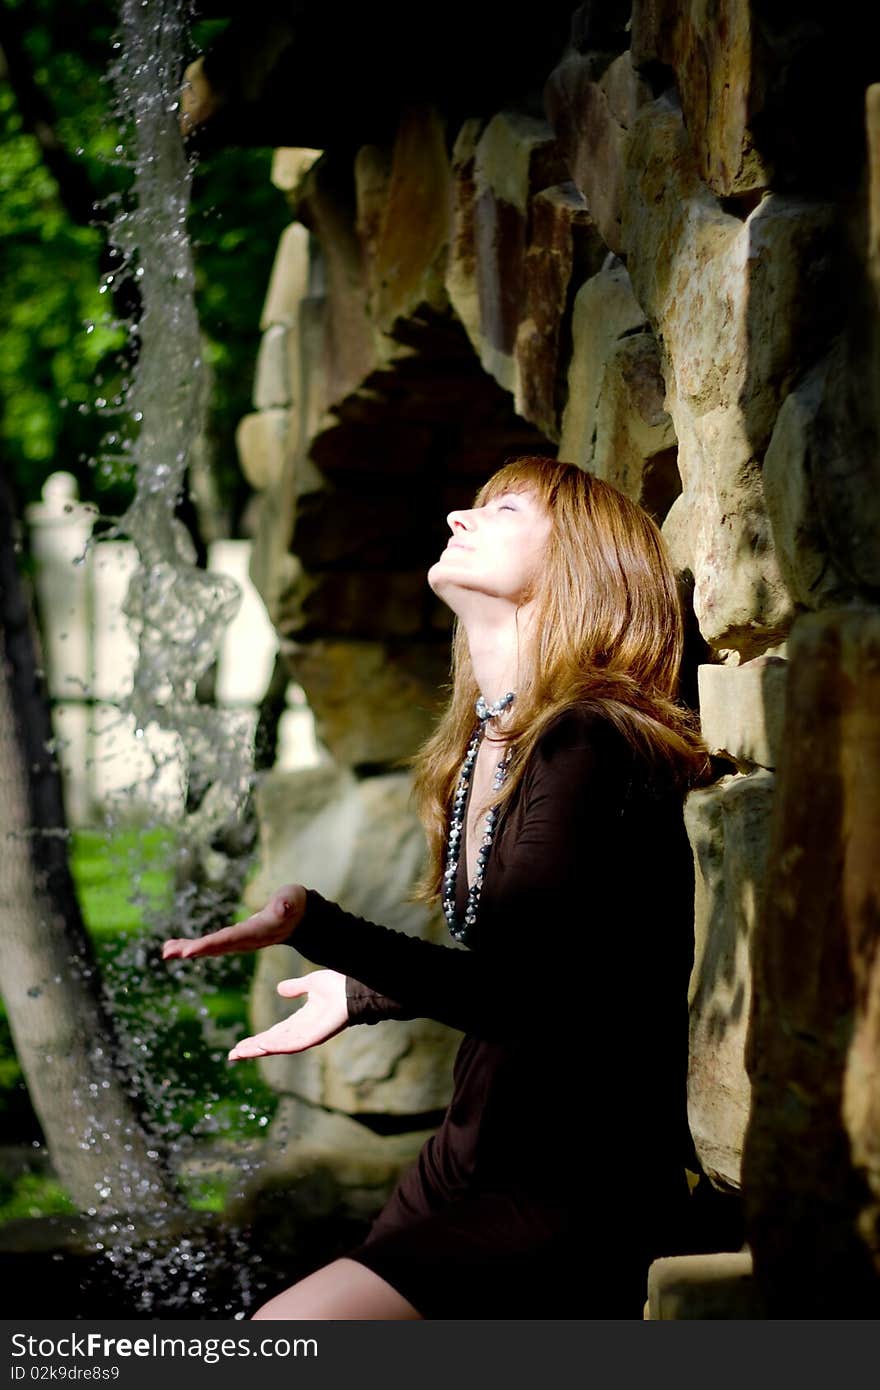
<point>461,930</point>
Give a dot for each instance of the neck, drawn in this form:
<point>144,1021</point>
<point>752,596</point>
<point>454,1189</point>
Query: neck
<point>497,643</point>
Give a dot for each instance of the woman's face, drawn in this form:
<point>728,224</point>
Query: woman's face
<point>496,549</point>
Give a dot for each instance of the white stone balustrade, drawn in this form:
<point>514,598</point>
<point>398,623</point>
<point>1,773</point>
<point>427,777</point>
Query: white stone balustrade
<point>89,657</point>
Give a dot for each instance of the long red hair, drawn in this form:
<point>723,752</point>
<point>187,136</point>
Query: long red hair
<point>609,634</point>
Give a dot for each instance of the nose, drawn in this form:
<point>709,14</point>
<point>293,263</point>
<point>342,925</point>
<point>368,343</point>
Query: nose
<point>459,521</point>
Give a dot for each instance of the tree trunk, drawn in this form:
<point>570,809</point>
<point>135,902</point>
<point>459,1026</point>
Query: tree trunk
<point>86,1101</point>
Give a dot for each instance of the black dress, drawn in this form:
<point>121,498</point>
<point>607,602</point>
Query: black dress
<point>558,1172</point>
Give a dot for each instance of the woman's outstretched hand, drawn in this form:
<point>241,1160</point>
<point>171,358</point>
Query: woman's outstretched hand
<point>268,927</point>
<point>325,1011</point>
<point>324,1014</point>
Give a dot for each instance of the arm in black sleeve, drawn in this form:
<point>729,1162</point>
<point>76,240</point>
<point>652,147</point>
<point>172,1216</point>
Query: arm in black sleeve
<point>572,789</point>
<point>366,1005</point>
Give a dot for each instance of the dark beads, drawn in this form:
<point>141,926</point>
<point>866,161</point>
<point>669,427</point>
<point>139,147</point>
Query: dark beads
<point>460,930</point>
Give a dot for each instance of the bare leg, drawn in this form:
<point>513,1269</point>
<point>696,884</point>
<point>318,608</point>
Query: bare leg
<point>342,1291</point>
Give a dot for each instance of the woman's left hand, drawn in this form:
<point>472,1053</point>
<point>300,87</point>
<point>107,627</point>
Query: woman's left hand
<point>324,1014</point>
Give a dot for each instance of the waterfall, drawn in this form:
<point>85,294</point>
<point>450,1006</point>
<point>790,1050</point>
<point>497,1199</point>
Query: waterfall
<point>177,611</point>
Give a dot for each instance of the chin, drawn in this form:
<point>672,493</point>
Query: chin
<point>442,584</point>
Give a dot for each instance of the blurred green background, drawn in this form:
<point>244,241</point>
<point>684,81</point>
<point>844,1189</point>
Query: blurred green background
<point>53,366</point>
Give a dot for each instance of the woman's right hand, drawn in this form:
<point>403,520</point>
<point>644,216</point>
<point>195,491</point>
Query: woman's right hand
<point>324,1014</point>
<point>270,926</point>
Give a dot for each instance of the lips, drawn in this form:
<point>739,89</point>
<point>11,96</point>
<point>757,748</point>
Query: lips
<point>460,544</point>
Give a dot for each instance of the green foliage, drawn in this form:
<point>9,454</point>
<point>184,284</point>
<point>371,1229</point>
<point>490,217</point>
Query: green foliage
<point>60,353</point>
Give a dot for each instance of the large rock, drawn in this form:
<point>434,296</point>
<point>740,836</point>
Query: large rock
<point>635,444</point>
<point>564,249</point>
<point>727,825</point>
<point>393,687</point>
<point>408,261</point>
<point>718,1286</point>
<point>591,119</point>
<point>352,346</point>
<point>803,504</point>
<point>358,844</point>
<point>605,311</point>
<point>872,125</point>
<point>272,378</point>
<point>368,606</point>
<point>811,1170</point>
<point>515,157</point>
<point>290,168</point>
<point>742,710</point>
<point>318,1165</point>
<point>261,440</point>
<point>727,298</point>
<point>461,267</point>
<point>714,52</point>
<point>289,280</point>
<point>718,530</point>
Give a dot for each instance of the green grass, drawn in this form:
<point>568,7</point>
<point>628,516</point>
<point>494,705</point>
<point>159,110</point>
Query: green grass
<point>180,1029</point>
<point>104,869</point>
<point>33,1194</point>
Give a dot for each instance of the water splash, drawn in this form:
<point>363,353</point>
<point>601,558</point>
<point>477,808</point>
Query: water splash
<point>177,614</point>
<point>177,611</point>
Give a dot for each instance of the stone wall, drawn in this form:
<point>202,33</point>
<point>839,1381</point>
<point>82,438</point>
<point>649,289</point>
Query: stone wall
<point>654,278</point>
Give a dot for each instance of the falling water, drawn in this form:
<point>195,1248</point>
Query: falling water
<point>176,611</point>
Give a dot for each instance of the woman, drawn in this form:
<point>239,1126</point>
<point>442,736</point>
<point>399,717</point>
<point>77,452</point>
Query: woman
<point>551,793</point>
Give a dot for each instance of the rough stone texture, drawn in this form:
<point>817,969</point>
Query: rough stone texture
<point>351,346</point>
<point>633,427</point>
<point>712,51</point>
<point>261,440</point>
<point>273,374</point>
<point>729,300</point>
<point>604,311</point>
<point>289,281</point>
<point>461,270</point>
<point>372,176</point>
<point>811,1166</point>
<point>845,464</point>
<point>564,247</point>
<point>394,687</point>
<point>872,131</point>
<point>727,825</point>
<point>357,1168</point>
<point>742,710</point>
<point>515,158</point>
<point>408,263</point>
<point>442,312</point>
<point>739,303</point>
<point>348,603</point>
<point>794,466</point>
<point>358,844</point>
<point>591,120</point>
<point>290,166</point>
<point>691,1287</point>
